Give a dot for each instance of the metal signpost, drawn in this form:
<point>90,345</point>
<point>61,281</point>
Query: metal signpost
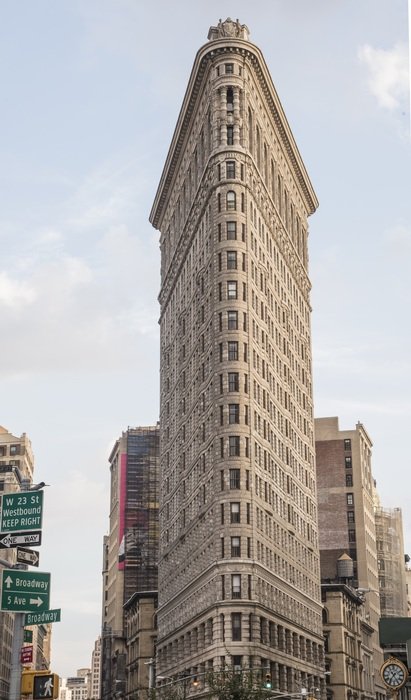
<point>24,591</point>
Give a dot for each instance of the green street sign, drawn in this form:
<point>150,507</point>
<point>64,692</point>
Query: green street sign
<point>43,618</point>
<point>28,635</point>
<point>25,591</point>
<point>21,511</point>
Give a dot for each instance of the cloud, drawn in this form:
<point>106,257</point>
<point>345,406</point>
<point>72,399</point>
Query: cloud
<point>84,301</point>
<point>388,74</point>
<point>398,240</point>
<point>15,294</point>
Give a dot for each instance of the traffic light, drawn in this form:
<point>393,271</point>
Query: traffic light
<point>268,683</point>
<point>27,680</point>
<point>46,686</point>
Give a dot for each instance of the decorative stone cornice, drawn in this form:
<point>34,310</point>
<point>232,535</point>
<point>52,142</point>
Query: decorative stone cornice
<point>229,28</point>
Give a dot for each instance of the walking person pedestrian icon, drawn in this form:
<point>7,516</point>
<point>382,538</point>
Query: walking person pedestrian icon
<point>45,686</point>
<point>48,688</point>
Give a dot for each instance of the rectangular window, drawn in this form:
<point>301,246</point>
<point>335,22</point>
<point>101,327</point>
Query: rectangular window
<point>236,627</point>
<point>232,320</point>
<point>347,445</point>
<point>230,135</point>
<point>351,535</point>
<point>229,68</point>
<point>348,480</point>
<point>231,230</point>
<point>235,585</point>
<point>236,546</point>
<point>233,413</point>
<point>235,512</point>
<point>234,446</point>
<point>231,289</point>
<point>234,478</point>
<point>15,449</point>
<point>230,168</point>
<point>350,499</point>
<point>348,463</point>
<point>350,516</point>
<point>233,381</point>
<point>232,346</point>
<point>231,260</point>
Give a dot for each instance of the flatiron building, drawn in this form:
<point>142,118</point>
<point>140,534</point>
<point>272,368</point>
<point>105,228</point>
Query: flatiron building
<point>239,580</point>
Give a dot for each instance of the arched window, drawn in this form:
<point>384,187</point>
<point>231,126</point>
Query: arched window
<point>231,201</point>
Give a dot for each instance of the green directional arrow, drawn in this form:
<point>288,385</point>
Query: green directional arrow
<point>25,591</point>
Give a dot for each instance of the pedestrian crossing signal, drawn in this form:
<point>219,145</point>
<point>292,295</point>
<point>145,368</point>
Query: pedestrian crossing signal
<point>268,683</point>
<point>46,686</point>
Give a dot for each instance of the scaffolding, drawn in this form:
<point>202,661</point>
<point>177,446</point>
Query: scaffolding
<point>141,529</point>
<point>391,566</point>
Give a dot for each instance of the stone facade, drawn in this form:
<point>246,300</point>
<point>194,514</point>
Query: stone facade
<point>239,564</point>
<point>141,635</point>
<point>348,645</point>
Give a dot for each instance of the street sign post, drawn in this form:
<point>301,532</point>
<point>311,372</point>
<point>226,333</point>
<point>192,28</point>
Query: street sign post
<point>21,511</point>
<point>25,591</point>
<point>43,618</point>
<point>7,540</point>
<point>27,556</point>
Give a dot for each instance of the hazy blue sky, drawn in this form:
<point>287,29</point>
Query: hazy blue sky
<point>91,91</point>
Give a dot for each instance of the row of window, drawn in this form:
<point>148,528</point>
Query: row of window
<point>13,450</point>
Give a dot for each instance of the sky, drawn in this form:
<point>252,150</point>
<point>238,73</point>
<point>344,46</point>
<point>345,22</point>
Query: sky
<point>91,91</point>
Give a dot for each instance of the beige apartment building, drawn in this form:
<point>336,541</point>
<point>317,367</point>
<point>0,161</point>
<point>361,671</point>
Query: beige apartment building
<point>239,580</point>
<point>346,495</point>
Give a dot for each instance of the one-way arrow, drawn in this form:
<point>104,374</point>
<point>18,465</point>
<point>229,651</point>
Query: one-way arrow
<point>8,581</point>
<point>27,556</point>
<point>9,539</point>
